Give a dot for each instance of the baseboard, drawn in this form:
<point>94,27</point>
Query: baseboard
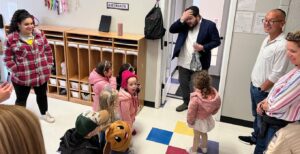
<point>235,121</point>
<point>149,103</point>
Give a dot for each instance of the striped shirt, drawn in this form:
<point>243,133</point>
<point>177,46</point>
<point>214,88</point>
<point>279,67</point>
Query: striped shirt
<point>284,98</point>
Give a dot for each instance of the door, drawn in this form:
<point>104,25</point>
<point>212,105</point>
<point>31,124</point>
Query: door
<point>173,11</point>
<point>216,11</point>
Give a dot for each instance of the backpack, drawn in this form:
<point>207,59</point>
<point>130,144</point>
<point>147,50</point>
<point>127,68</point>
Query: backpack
<point>154,25</point>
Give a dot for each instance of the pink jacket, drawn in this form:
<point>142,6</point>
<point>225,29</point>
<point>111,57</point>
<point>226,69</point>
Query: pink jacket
<point>200,108</point>
<point>99,82</point>
<point>128,106</point>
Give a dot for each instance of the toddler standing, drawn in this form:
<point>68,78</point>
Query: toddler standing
<point>128,99</point>
<point>101,77</point>
<point>204,102</point>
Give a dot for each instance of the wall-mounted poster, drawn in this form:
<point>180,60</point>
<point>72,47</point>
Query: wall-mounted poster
<point>258,26</point>
<point>243,22</point>
<point>246,5</point>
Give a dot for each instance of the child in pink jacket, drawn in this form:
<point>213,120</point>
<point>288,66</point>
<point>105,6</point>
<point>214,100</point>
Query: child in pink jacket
<point>101,77</point>
<point>204,102</point>
<point>128,100</point>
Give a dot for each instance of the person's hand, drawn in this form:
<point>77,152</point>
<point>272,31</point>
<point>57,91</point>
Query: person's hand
<point>5,91</point>
<point>259,110</point>
<point>198,47</point>
<point>186,14</point>
<point>262,107</point>
<point>265,105</point>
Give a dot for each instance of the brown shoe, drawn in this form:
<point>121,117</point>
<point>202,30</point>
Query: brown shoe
<point>181,107</point>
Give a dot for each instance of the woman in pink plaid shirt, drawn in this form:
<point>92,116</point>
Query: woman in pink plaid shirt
<point>29,58</point>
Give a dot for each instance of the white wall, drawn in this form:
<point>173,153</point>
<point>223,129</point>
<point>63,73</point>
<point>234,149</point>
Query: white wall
<point>88,14</point>
<point>242,55</point>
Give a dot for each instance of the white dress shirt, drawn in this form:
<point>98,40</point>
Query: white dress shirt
<point>271,62</point>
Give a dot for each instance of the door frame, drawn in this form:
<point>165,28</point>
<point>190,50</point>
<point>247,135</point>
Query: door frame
<point>171,6</point>
<point>226,53</point>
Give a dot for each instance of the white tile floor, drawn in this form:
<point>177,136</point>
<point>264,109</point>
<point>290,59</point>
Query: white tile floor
<point>163,118</point>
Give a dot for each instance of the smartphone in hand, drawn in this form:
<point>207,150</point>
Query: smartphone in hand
<point>8,80</point>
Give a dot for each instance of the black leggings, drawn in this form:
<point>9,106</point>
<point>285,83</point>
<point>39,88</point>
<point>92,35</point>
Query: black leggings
<point>22,93</point>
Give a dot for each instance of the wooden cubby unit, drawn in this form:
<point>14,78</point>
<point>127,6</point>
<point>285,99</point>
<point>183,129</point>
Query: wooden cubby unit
<point>89,47</point>
<point>56,38</point>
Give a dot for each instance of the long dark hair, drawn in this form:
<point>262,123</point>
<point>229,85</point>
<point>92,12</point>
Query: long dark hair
<point>17,18</point>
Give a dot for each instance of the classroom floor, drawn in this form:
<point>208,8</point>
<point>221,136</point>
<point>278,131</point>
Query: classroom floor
<point>159,131</point>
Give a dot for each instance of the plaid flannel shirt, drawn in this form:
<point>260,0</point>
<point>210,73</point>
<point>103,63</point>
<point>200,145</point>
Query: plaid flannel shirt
<point>29,65</point>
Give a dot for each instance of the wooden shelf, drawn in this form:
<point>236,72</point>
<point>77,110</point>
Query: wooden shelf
<point>57,96</point>
<point>85,79</point>
<point>82,49</point>
<point>74,78</point>
<point>52,85</point>
<point>61,77</point>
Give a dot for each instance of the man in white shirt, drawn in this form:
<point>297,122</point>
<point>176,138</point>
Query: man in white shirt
<point>270,65</point>
<point>196,36</point>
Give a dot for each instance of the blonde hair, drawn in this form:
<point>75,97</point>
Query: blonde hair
<point>20,131</point>
<point>107,98</point>
<point>202,81</point>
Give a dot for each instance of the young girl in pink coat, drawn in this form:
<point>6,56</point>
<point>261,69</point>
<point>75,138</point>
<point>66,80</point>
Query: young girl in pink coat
<point>128,100</point>
<point>204,102</point>
<point>101,77</point>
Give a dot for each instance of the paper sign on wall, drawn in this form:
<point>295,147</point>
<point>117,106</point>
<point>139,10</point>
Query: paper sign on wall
<point>243,22</point>
<point>118,6</point>
<point>258,26</point>
<point>246,5</point>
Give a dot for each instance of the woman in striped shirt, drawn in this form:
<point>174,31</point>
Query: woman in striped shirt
<point>283,102</point>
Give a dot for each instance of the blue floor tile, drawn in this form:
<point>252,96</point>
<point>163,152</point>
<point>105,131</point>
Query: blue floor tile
<point>160,136</point>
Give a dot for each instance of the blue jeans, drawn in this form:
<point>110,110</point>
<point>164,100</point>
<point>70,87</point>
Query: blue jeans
<point>262,143</point>
<point>256,97</point>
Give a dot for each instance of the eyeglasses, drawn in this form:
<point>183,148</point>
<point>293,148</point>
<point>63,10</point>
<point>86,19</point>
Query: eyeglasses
<point>293,36</point>
<point>271,22</point>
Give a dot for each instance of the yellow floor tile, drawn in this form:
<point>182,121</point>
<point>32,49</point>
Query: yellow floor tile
<point>182,128</point>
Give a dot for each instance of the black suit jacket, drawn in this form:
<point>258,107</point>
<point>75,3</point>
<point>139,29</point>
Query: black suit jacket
<point>208,36</point>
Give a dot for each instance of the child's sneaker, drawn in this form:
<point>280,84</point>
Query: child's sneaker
<point>190,151</point>
<point>48,118</point>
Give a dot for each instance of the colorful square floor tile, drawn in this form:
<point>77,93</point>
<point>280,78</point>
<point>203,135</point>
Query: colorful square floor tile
<point>160,136</point>
<point>182,128</point>
<point>174,150</point>
<point>212,147</point>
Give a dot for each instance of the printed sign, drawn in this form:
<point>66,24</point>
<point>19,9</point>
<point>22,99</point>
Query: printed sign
<point>118,6</point>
